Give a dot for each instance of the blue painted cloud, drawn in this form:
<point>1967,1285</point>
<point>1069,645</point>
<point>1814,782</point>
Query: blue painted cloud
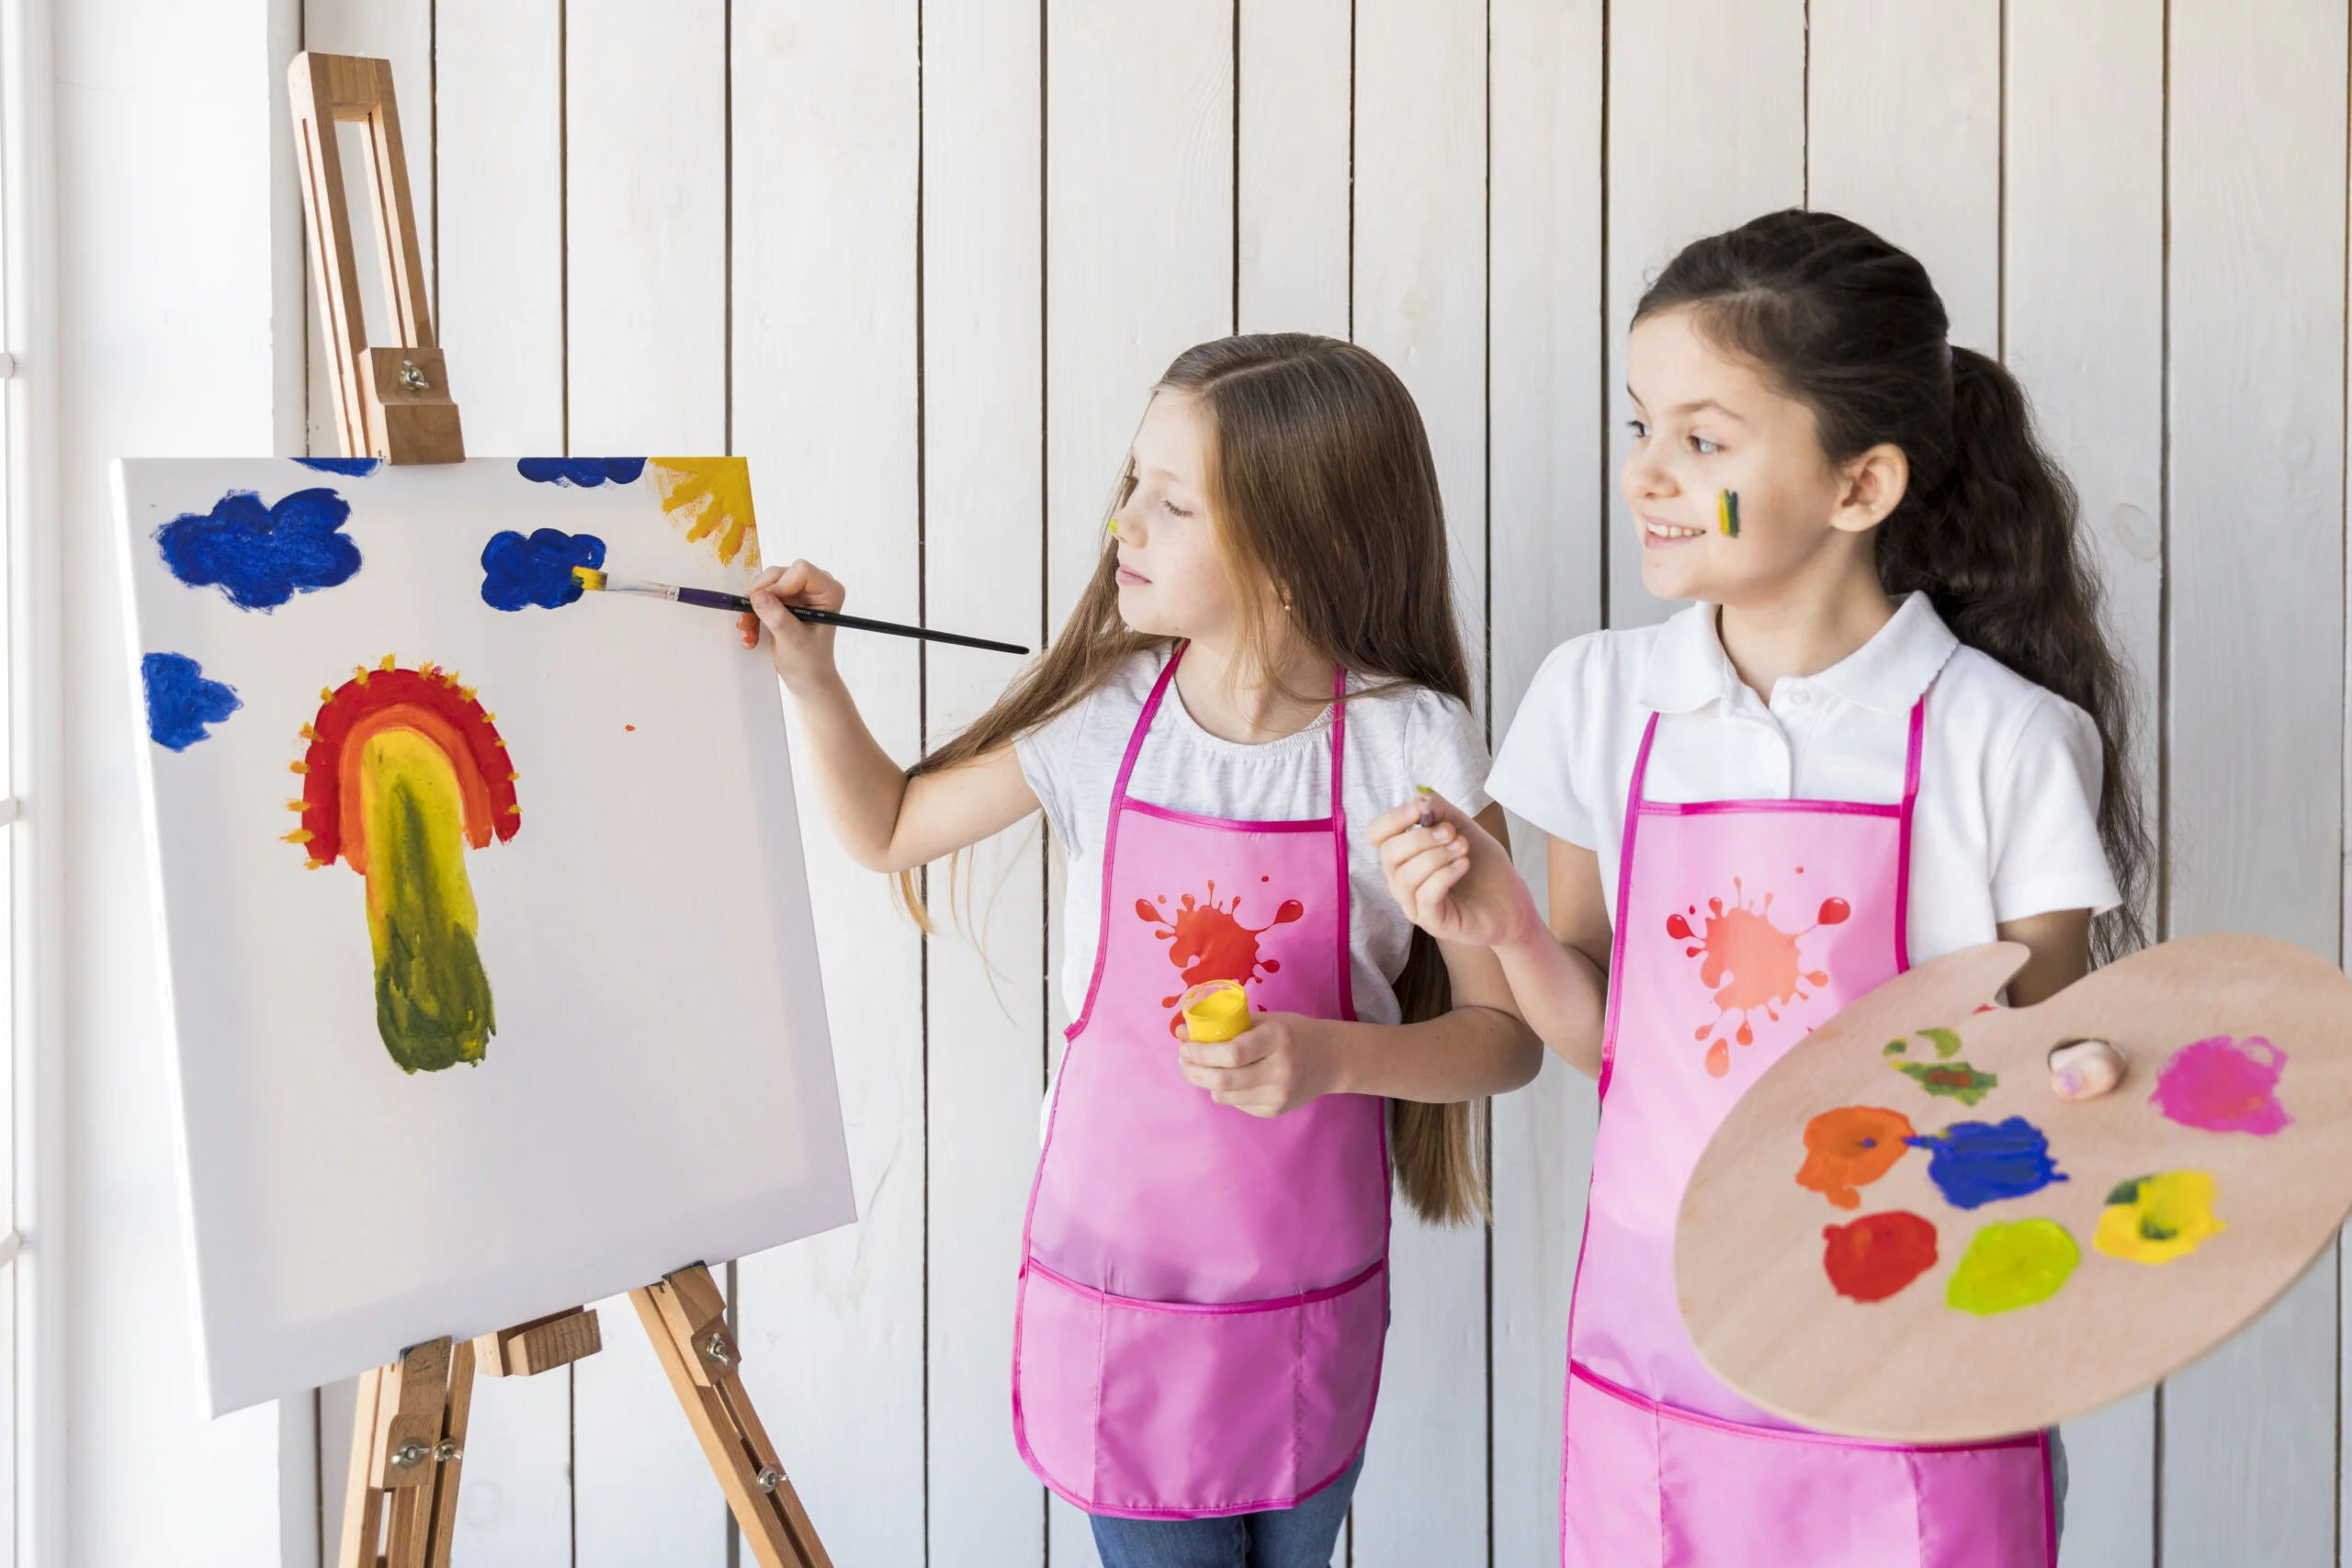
<point>261,557</point>
<point>517,571</point>
<point>358,467</point>
<point>181,702</point>
<point>585,473</point>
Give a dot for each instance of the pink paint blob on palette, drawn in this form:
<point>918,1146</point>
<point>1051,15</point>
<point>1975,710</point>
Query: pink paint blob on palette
<point>2225,1086</point>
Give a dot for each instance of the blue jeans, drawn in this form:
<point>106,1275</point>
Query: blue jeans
<point>1300,1537</point>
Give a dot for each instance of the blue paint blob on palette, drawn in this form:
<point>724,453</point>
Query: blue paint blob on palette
<point>585,473</point>
<point>519,571</point>
<point>350,467</point>
<point>1976,1163</point>
<point>262,556</point>
<point>181,703</point>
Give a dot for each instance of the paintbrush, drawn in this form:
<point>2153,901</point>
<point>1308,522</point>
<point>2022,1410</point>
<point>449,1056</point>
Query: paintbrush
<point>595,581</point>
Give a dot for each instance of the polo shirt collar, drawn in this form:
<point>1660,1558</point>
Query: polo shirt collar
<point>1687,667</point>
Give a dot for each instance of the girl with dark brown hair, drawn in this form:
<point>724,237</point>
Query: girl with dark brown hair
<point>1891,725</point>
<point>1266,657</point>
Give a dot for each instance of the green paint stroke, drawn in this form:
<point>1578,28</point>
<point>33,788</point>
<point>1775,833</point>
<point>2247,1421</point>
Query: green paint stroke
<point>1949,1080</point>
<point>432,1000</point>
<point>2012,1265</point>
<point>1946,1042</point>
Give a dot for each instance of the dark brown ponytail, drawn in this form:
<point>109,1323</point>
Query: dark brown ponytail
<point>1851,325</point>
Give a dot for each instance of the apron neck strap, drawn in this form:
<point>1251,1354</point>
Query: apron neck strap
<point>1339,732</point>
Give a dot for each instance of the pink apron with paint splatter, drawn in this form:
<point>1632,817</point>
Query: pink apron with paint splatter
<point>1203,1292</point>
<point>1741,924</point>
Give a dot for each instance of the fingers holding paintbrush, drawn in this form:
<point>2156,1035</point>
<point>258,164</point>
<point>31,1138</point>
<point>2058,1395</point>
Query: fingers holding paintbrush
<point>803,650</point>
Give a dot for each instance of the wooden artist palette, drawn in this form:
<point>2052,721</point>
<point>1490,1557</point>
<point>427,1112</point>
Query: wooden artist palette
<point>2017,1266</point>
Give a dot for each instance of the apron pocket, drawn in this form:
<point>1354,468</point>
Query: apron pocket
<point>1718,1492</point>
<point>1176,1409</point>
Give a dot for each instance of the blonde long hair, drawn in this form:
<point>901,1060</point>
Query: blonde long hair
<point>1324,493</point>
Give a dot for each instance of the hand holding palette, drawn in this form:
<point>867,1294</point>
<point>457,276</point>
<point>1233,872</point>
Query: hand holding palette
<point>1902,1232</point>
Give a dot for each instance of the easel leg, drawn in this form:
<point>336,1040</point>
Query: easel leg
<point>409,1441</point>
<point>686,1316</point>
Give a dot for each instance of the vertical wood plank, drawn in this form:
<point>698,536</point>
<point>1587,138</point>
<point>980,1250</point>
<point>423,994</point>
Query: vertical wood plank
<point>1139,265</point>
<point>2084,306</point>
<point>1706,130</point>
<point>645,159</point>
<point>1420,304</point>
<point>646,225</point>
<point>500,288</point>
<point>497,70</point>
<point>1294,77</point>
<point>1903,135</point>
<point>2256,585</point>
<point>826,168</point>
<point>1139,240</point>
<point>1546,447</point>
<point>402,32</point>
<point>984,536</point>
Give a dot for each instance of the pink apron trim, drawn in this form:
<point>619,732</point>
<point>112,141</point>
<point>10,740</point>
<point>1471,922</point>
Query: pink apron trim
<point>1277,1303</point>
<point>1583,1373</point>
<point>1617,937</point>
<point>1903,866</point>
<point>1722,808</point>
<point>1111,846</point>
<point>1194,819</point>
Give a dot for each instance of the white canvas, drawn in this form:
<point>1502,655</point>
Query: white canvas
<point>658,1087</point>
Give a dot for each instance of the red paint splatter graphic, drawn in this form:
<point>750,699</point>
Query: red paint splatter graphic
<point>1206,941</point>
<point>1749,964</point>
<point>1878,1255</point>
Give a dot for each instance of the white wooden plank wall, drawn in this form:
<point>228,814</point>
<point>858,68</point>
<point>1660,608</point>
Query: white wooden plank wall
<point>922,262</point>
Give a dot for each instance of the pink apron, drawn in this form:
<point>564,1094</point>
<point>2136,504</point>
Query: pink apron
<point>1741,924</point>
<point>1203,1292</point>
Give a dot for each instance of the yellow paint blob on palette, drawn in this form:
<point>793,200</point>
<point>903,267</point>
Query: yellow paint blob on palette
<point>1902,1232</point>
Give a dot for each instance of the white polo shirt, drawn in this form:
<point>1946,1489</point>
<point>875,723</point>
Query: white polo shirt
<point>2006,822</point>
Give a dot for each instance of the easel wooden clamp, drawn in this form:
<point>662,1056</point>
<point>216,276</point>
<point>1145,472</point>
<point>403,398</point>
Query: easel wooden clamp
<point>409,1437</point>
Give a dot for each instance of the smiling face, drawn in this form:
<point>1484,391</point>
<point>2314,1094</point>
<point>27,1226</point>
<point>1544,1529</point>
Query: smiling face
<point>1706,422</point>
<point>1172,579</point>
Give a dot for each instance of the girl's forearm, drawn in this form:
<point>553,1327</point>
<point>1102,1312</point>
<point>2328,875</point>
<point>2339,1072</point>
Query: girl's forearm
<point>1467,1053</point>
<point>1563,995</point>
<point>859,789</point>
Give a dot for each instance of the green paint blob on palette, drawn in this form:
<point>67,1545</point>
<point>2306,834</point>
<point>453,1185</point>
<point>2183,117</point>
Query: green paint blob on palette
<point>2011,1265</point>
<point>1944,1076</point>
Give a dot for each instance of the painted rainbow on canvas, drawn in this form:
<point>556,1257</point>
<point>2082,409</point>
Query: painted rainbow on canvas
<point>405,773</point>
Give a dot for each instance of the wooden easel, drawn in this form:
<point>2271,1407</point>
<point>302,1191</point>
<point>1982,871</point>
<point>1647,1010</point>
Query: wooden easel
<point>409,1435</point>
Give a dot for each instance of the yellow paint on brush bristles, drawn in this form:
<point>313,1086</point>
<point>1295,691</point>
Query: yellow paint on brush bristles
<point>1727,512</point>
<point>1215,1011</point>
<point>589,578</point>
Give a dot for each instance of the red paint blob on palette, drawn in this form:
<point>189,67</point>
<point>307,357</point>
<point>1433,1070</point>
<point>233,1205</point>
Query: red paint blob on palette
<point>1876,1255</point>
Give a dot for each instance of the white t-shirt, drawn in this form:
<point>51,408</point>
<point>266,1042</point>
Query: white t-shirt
<point>1392,743</point>
<point>2006,822</point>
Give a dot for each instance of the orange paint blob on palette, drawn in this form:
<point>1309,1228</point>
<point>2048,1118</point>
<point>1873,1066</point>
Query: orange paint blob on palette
<point>1850,1147</point>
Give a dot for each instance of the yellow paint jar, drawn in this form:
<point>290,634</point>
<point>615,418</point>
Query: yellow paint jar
<point>1216,1010</point>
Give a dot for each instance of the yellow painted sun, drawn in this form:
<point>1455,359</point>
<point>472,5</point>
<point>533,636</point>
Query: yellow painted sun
<point>712,496</point>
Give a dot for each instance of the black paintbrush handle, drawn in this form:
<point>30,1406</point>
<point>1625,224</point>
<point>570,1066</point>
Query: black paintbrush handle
<point>711,600</point>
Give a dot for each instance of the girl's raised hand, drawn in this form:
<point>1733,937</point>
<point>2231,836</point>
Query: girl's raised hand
<point>803,651</point>
<point>1452,879</point>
